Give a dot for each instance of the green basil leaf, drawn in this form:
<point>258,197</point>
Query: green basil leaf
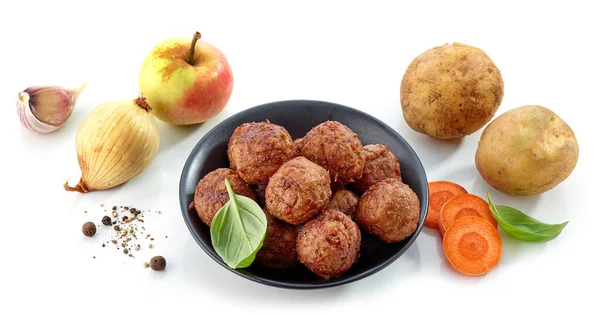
<point>522,226</point>
<point>238,230</point>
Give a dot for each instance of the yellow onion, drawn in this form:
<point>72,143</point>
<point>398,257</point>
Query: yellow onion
<point>116,142</point>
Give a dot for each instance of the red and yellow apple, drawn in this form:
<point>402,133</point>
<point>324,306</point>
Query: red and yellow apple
<point>185,81</point>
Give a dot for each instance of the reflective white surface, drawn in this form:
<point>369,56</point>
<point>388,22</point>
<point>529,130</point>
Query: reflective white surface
<point>352,54</point>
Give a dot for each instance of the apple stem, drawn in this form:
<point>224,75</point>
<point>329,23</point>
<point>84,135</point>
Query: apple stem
<point>193,48</point>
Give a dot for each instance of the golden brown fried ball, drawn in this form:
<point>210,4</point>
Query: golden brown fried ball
<point>380,163</point>
<point>257,149</point>
<point>279,247</point>
<point>337,148</point>
<point>298,191</point>
<point>330,244</point>
<point>389,210</point>
<point>345,201</point>
<point>211,193</point>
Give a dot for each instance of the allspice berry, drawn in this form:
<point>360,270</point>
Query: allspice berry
<point>89,229</point>
<point>158,263</point>
<point>106,220</point>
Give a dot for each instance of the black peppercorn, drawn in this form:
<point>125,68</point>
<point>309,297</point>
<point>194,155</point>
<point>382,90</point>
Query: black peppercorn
<point>158,263</point>
<point>106,220</point>
<point>89,229</point>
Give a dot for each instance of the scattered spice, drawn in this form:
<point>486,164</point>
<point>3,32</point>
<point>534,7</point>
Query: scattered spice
<point>158,263</point>
<point>126,226</point>
<point>146,265</point>
<point>106,220</point>
<point>88,229</point>
<point>102,205</point>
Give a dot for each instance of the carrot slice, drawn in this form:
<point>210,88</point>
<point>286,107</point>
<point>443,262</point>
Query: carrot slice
<point>439,193</point>
<point>461,206</point>
<point>472,246</point>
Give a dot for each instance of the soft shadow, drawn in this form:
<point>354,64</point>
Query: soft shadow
<point>200,270</point>
<point>523,203</point>
<point>515,250</point>
<point>462,175</point>
<point>407,265</point>
<point>438,240</point>
<point>171,135</point>
<point>431,151</point>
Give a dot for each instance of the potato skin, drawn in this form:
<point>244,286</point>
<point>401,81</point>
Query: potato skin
<point>526,151</point>
<point>451,91</point>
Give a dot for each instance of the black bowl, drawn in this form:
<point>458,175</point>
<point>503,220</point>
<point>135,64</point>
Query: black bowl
<point>298,117</point>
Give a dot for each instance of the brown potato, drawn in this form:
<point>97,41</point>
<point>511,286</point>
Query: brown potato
<point>451,91</point>
<point>526,151</point>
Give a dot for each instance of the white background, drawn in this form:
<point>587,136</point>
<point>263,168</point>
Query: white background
<point>350,53</point>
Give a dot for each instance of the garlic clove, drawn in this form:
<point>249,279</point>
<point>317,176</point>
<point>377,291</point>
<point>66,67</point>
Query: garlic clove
<point>44,109</point>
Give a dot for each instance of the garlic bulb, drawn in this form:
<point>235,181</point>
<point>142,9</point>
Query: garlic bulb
<point>116,142</point>
<point>44,109</point>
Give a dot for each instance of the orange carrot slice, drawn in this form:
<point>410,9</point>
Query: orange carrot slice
<point>472,246</point>
<point>461,206</point>
<point>439,193</point>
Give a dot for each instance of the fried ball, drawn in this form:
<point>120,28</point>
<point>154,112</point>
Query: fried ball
<point>337,148</point>
<point>298,191</point>
<point>257,149</point>
<point>345,201</point>
<point>380,163</point>
<point>261,190</point>
<point>329,244</point>
<point>389,210</point>
<point>296,144</point>
<point>279,247</point>
<point>211,193</point>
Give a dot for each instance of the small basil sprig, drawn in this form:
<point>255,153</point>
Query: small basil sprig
<point>522,226</point>
<point>238,230</point>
